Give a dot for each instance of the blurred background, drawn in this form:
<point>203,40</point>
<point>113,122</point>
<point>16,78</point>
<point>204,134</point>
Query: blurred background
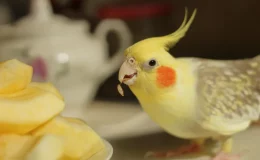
<point>78,45</point>
<point>221,30</point>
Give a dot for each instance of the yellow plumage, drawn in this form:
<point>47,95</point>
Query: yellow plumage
<point>206,98</point>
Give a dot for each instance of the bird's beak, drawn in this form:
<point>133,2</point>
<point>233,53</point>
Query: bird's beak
<point>127,74</point>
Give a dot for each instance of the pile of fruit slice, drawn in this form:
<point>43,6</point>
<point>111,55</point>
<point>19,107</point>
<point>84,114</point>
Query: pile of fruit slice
<point>31,127</point>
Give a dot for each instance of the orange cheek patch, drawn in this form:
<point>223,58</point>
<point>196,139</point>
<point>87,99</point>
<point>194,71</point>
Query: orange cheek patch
<point>166,76</point>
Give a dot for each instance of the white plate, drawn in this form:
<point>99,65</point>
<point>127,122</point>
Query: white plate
<point>104,154</point>
<point>119,121</point>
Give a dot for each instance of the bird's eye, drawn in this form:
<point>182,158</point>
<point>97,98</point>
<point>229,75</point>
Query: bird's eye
<point>152,63</point>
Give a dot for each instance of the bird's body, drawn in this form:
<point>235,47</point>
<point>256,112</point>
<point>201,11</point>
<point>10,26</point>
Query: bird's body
<point>180,111</point>
<point>172,111</point>
<point>193,98</point>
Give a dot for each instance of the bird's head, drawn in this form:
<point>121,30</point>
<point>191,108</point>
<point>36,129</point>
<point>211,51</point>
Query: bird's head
<point>148,65</point>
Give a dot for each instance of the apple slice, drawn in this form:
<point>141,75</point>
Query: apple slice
<point>14,76</point>
<point>49,147</point>
<point>79,139</point>
<point>23,111</point>
<point>13,146</point>
<point>47,87</point>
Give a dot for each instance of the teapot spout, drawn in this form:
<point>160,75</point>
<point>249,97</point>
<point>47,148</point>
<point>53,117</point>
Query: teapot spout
<point>41,10</point>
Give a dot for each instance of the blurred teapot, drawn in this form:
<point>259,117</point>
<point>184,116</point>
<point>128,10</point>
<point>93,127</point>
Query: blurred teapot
<point>63,52</point>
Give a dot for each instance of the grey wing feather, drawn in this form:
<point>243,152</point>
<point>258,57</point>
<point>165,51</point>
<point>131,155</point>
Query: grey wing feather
<point>228,94</point>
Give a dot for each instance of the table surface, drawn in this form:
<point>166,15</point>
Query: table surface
<point>132,133</point>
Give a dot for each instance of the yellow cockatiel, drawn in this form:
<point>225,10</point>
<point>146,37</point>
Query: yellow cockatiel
<point>193,98</point>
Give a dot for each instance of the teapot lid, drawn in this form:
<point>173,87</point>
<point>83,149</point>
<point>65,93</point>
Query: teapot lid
<point>41,21</point>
